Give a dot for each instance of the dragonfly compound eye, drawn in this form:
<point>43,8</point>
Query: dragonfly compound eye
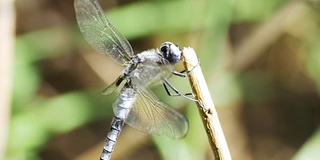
<point>171,52</point>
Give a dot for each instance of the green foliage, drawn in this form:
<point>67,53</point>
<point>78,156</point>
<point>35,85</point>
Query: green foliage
<point>251,10</point>
<point>312,59</point>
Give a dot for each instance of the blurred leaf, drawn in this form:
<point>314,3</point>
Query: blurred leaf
<point>225,90</point>
<point>159,17</point>
<point>46,43</point>
<point>174,149</point>
<point>310,150</point>
<point>73,110</point>
<point>26,77</point>
<point>255,87</point>
<point>43,118</point>
<point>199,146</point>
<point>216,21</point>
<point>31,48</point>
<point>312,59</point>
<point>27,135</point>
<point>252,10</point>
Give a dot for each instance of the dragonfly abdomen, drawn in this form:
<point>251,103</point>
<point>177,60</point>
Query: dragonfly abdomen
<point>121,108</point>
<point>114,132</point>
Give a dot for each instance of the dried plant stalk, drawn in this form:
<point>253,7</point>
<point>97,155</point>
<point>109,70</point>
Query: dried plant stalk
<point>205,105</point>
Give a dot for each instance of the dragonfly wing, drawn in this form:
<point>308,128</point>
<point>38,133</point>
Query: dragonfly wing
<point>99,33</point>
<point>113,86</point>
<point>150,74</point>
<point>149,114</point>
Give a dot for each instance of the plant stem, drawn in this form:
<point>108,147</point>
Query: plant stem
<point>205,105</point>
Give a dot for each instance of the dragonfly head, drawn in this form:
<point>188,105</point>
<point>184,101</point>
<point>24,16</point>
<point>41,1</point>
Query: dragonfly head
<point>171,52</point>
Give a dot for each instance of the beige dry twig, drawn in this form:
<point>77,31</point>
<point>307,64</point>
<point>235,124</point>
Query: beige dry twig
<point>205,105</point>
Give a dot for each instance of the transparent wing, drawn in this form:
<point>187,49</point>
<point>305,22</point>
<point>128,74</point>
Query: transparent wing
<point>99,33</point>
<point>113,86</point>
<point>151,115</point>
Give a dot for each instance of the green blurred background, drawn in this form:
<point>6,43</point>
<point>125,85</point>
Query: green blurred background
<point>261,60</point>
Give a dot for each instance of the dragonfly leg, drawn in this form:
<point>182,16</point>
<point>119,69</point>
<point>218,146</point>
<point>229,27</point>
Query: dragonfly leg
<point>183,74</point>
<point>180,74</point>
<point>177,93</point>
<point>168,85</point>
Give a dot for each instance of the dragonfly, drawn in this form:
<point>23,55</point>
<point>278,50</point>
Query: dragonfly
<point>136,104</point>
